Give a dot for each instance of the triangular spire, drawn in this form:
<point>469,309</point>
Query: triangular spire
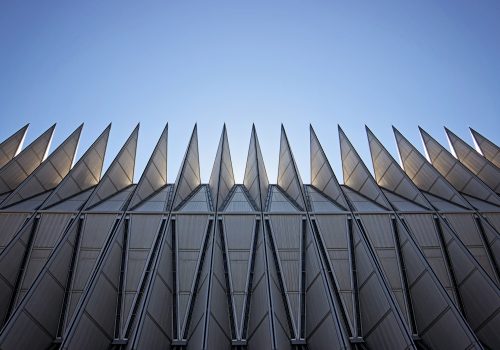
<point>487,148</point>
<point>475,162</point>
<point>389,175</point>
<point>188,177</point>
<point>255,179</point>
<point>155,174</point>
<point>455,172</point>
<point>86,172</point>
<point>356,174</point>
<point>21,166</point>
<point>423,174</point>
<point>50,173</point>
<point>12,145</point>
<point>288,175</point>
<point>322,175</point>
<point>222,177</point>
<point>120,173</point>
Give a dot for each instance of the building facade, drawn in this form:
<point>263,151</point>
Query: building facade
<point>406,258</point>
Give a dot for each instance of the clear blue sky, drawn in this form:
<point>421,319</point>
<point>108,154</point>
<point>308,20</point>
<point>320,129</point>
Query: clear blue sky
<point>407,63</point>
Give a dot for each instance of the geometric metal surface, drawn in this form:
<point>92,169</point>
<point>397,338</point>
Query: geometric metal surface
<point>406,258</point>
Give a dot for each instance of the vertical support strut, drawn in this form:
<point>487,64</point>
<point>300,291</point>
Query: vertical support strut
<point>197,281</point>
<point>303,280</point>
<point>404,274</point>
<point>354,278</point>
<point>250,280</point>
<point>175,315</point>
<point>490,253</point>
<point>22,268</point>
<point>226,278</point>
<point>121,284</point>
<point>69,279</point>
<point>449,264</point>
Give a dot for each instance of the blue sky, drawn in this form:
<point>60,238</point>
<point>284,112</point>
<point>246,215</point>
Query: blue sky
<point>380,63</point>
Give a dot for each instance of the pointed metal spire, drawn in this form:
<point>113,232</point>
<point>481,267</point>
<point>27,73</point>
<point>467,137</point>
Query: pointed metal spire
<point>21,166</point>
<point>50,173</point>
<point>188,177</point>
<point>390,175</point>
<point>120,173</point>
<point>487,148</point>
<point>86,172</point>
<point>356,174</point>
<point>322,175</point>
<point>288,175</point>
<point>423,174</point>
<point>475,162</point>
<point>155,174</point>
<point>455,172</point>
<point>222,176</point>
<point>255,179</point>
<point>12,145</point>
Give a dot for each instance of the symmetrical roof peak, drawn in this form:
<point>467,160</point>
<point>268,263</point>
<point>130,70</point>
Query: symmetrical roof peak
<point>255,178</point>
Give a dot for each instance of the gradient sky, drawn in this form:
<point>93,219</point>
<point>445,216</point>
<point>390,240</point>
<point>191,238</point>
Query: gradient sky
<point>381,63</point>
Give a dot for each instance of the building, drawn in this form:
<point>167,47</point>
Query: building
<point>405,259</point>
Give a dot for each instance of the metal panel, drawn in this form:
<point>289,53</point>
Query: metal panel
<point>475,162</point>
<point>287,238</point>
<point>189,173</point>
<point>197,202</point>
<point>46,294</point>
<point>49,231</point>
<point>219,327</point>
<point>222,177</point>
<point>487,148</point>
<point>155,326</point>
<point>381,236</point>
<point>50,172</point>
<point>120,173</point>
<point>323,323</point>
<point>72,203</point>
<point>12,145</point>
<point>10,223</point>
<point>362,203</point>
<point>85,174</point>
<point>468,232</point>
<point>279,203</point>
<point>333,230</point>
<point>239,237</point>
<point>322,175</point>
<point>402,204</point>
<point>99,300</point>
<point>157,202</point>
<point>423,174</point>
<point>21,166</point>
<point>455,172</point>
<point>238,202</point>
<point>155,173</point>
<point>381,323</point>
<point>115,202</point>
<point>95,232</point>
<point>260,332</point>
<point>255,178</point>
<point>288,176</point>
<point>388,173</point>
<point>478,292</point>
<point>321,204</point>
<point>356,174</point>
